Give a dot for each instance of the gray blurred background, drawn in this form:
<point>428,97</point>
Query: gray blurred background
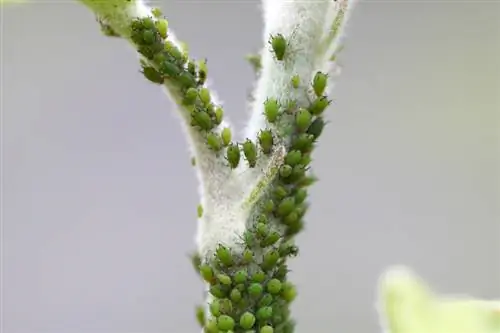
<point>99,200</point>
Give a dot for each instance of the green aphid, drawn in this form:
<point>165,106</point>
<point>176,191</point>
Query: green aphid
<point>205,97</point>
<point>266,300</point>
<point>152,75</point>
<point>266,141</point>
<point>306,159</point>
<point>319,83</point>
<point>271,109</point>
<point>224,279</point>
<point>264,313</point>
<point>319,105</point>
<point>286,206</point>
<point>156,12</point>
<point>196,261</point>
<point>298,172</point>
<point>200,315</point>
<point>316,127</point>
<point>268,206</point>
<point>190,96</point>
<point>211,326</point>
<point>262,230</point>
<point>291,218</point>
<point>169,68</point>
<point>162,27</point>
<point>303,120</point>
<point>270,239</point>
<point>149,37</point>
<point>288,292</point>
<point>249,238</point>
<point>259,276</point>
<point>262,218</point>
<point>233,155</point>
<point>202,72</point>
<point>199,210</point>
<point>202,119</point>
<point>224,255</point>
<point>191,68</point>
<point>280,192</point>
<point>286,171</point>
<point>186,80</point>
<point>219,114</point>
<point>235,295</point>
<point>301,210</point>
<point>207,273</point>
<point>218,291</point>
<point>226,136</point>
<point>287,249</point>
<point>193,161</point>
<point>294,229</point>
<point>149,51</point>
<point>226,306</point>
<point>293,157</point>
<point>240,276</point>
<point>247,257</point>
<point>255,290</point>
<point>266,329</point>
<point>214,141</point>
<point>281,272</point>
<point>270,259</point>
<point>279,45</point>
<point>295,81</point>
<point>250,152</point>
<point>214,308</point>
<point>273,286</point>
<point>225,323</point>
<point>247,320</point>
<point>306,181</point>
<point>300,196</point>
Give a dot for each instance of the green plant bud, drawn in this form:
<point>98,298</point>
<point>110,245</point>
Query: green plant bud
<point>286,250</point>
<point>219,114</point>
<point>162,26</point>
<point>207,273</point>
<point>293,157</point>
<point>226,306</point>
<point>303,120</point>
<point>262,229</point>
<point>235,295</point>
<point>186,80</point>
<point>319,83</point>
<point>281,272</point>
<point>270,259</point>
<point>255,290</point>
<point>264,313</point>
<point>199,210</point>
<point>152,75</point>
<point>316,127</point>
<point>202,120</point>
<point>211,326</point>
<point>200,315</point>
<point>190,96</point>
<point>295,81</point>
<point>319,105</point>
<point>205,96</point>
<point>247,320</point>
<point>288,292</point>
<point>273,286</point>
<point>266,329</point>
<point>279,45</point>
<point>266,300</point>
<point>300,195</point>
<point>266,141</point>
<point>303,142</point>
<point>233,155</point>
<point>271,109</point>
<point>224,255</point>
<point>226,136</point>
<point>291,218</point>
<point>270,239</point>
<point>218,291</point>
<point>286,206</point>
<point>224,279</point>
<point>225,323</point>
<point>214,141</point>
<point>268,206</point>
<point>240,276</point>
<point>259,276</point>
<point>170,69</point>
<point>247,256</point>
<point>250,152</point>
<point>202,71</point>
<point>285,171</point>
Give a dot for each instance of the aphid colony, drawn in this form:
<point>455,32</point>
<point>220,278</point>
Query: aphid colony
<point>249,288</point>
